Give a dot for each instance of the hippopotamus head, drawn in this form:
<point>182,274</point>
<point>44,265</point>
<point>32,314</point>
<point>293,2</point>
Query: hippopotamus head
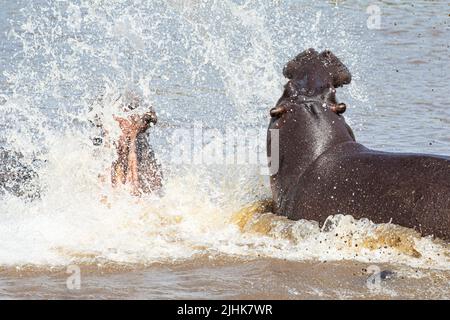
<point>307,116</point>
<point>131,101</point>
<point>311,73</point>
<point>313,79</point>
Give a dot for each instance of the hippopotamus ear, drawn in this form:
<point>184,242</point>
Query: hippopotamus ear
<point>294,66</point>
<point>336,68</point>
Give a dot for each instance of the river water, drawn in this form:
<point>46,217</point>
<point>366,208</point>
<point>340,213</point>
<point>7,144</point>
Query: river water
<point>210,69</point>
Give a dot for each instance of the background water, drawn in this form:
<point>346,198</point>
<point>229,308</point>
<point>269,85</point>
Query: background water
<point>218,63</point>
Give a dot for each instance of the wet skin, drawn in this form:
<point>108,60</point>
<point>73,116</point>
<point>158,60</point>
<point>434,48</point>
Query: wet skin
<point>324,171</point>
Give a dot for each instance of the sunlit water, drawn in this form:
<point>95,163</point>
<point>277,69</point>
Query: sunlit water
<point>216,64</point>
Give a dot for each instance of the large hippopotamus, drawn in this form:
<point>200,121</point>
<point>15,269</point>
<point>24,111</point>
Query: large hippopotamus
<point>321,170</point>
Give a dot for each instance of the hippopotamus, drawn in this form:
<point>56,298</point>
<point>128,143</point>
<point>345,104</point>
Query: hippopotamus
<point>136,165</point>
<point>322,170</point>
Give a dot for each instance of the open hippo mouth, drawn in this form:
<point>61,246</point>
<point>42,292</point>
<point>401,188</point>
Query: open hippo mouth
<point>315,72</point>
<point>313,76</point>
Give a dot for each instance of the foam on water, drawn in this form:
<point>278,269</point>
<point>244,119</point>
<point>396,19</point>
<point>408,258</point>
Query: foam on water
<point>218,61</point>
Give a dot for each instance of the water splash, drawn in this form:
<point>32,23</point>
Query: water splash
<point>215,61</point>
